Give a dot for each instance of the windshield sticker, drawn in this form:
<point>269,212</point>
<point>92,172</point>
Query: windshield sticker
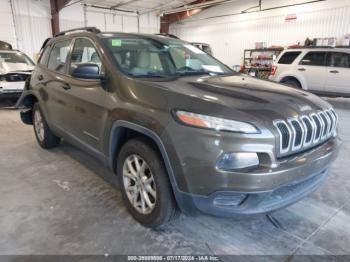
<point>194,49</point>
<point>213,68</point>
<point>116,42</point>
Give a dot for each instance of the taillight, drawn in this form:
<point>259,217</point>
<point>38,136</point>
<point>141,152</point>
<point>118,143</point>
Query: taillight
<point>273,70</point>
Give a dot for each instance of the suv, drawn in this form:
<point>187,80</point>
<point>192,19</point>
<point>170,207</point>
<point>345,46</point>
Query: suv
<point>15,68</point>
<point>320,70</point>
<point>181,130</point>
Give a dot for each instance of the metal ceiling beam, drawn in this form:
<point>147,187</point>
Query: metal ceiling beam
<point>174,15</point>
<point>196,6</point>
<point>123,3</point>
<point>56,7</point>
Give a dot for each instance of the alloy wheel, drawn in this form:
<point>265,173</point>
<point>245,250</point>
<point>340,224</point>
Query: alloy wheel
<point>139,184</point>
<point>39,125</point>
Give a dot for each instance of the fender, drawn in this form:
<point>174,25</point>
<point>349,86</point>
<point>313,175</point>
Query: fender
<point>113,144</point>
<point>184,202</point>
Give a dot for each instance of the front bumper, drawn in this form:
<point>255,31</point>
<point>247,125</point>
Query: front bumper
<point>201,186</point>
<point>13,94</point>
<point>229,203</point>
<point>11,89</point>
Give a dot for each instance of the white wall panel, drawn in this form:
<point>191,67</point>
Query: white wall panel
<point>7,29</point>
<point>27,25</point>
<point>230,35</point>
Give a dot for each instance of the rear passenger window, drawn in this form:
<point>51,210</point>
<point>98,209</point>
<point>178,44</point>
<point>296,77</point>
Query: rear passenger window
<point>314,59</point>
<point>45,56</point>
<point>58,56</point>
<point>288,58</point>
<point>338,59</point>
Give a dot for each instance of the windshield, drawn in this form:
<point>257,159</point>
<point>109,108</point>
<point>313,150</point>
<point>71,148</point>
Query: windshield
<point>15,58</point>
<point>146,58</point>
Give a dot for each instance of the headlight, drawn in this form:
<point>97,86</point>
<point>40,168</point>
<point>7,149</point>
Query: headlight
<point>215,123</point>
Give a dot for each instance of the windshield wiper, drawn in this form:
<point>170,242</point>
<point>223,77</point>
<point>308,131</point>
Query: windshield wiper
<point>189,73</point>
<point>193,73</point>
<point>152,75</point>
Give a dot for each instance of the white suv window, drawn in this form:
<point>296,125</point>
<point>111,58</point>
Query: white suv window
<point>338,59</point>
<point>314,58</point>
<point>288,57</point>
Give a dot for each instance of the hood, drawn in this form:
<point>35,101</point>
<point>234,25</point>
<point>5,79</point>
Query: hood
<point>6,68</point>
<point>243,97</point>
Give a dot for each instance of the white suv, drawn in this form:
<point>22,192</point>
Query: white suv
<point>15,68</point>
<point>320,70</point>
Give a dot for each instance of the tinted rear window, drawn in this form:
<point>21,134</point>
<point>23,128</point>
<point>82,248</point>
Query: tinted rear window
<point>288,57</point>
<point>314,59</point>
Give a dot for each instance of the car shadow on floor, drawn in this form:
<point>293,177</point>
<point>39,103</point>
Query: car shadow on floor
<point>222,235</point>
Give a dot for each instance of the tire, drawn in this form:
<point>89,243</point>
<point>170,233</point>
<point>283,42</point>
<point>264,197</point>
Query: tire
<point>43,134</point>
<point>292,83</point>
<point>159,206</point>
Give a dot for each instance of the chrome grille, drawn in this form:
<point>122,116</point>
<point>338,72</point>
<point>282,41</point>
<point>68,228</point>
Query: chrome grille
<point>300,133</point>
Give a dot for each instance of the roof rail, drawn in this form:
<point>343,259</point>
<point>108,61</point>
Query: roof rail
<point>315,47</point>
<point>87,29</point>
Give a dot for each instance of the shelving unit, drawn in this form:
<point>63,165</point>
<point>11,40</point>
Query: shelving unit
<point>258,62</point>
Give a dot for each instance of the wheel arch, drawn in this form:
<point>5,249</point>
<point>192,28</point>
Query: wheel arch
<point>27,101</point>
<point>301,82</point>
<point>120,131</point>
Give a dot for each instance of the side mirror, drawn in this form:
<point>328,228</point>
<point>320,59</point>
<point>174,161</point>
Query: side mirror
<point>87,71</point>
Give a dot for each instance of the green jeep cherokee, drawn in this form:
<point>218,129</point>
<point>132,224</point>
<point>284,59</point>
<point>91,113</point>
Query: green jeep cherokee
<point>181,130</point>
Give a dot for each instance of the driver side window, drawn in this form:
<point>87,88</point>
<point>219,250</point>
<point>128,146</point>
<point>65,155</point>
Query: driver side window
<point>84,52</point>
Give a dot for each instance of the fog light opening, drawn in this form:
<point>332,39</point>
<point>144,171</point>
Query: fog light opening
<point>229,200</point>
<point>238,160</point>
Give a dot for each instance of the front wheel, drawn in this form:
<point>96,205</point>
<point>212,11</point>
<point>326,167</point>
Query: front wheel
<point>43,134</point>
<point>144,184</point>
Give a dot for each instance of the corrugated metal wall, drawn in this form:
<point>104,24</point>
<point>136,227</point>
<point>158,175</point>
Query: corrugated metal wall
<point>229,36</point>
<point>73,17</point>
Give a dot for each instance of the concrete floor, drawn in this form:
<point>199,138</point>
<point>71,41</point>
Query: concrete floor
<point>63,202</point>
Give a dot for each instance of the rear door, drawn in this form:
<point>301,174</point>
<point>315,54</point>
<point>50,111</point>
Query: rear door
<point>54,84</point>
<point>338,72</point>
<point>85,99</point>
<point>313,69</point>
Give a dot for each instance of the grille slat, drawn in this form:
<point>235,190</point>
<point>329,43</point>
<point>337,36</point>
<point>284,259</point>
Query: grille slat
<point>318,127</point>
<point>297,134</point>
<point>298,130</point>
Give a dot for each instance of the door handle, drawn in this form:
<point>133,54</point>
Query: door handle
<point>334,71</point>
<point>301,69</point>
<point>40,77</point>
<point>66,87</point>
